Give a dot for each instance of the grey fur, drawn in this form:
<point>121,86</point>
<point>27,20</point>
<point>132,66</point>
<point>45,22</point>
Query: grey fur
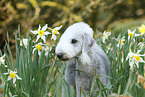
<point>98,59</point>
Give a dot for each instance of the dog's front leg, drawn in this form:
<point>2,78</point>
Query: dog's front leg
<point>69,77</point>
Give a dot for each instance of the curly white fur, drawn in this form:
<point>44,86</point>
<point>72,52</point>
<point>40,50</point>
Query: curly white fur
<point>81,53</point>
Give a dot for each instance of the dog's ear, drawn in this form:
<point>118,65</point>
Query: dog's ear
<point>88,42</point>
<point>87,45</point>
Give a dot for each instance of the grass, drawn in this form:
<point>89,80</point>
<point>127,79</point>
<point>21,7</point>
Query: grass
<point>43,76</point>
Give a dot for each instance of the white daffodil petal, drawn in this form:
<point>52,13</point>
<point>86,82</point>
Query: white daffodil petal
<point>133,31</point>
<point>9,78</point>
<point>127,58</point>
<point>118,45</point>
<point>5,73</point>
<point>138,51</point>
<point>103,40</point>
<point>40,43</point>
<point>131,63</point>
<point>33,50</point>
<point>21,43</point>
<point>137,64</point>
<point>129,31</point>
<point>141,60</point>
<point>46,33</point>
<point>8,70</point>
<point>18,77</point>
<point>142,55</point>
<point>44,28</point>
<point>43,38</point>
<point>3,61</point>
<point>53,37</point>
<point>3,56</point>
<point>5,65</point>
<point>14,80</point>
<point>37,38</point>
<point>39,52</point>
<point>137,35</point>
<point>108,33</point>
<point>39,28</point>
<point>34,32</point>
<point>58,28</point>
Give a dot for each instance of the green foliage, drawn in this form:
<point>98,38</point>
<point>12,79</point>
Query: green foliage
<point>44,76</point>
<point>38,73</point>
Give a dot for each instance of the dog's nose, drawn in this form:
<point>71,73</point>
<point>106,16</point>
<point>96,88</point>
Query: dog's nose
<point>60,55</point>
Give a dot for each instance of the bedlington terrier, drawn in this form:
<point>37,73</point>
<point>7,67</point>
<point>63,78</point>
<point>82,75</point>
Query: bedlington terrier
<point>83,57</point>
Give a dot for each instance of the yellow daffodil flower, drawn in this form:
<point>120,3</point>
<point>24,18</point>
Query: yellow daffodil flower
<point>38,47</point>
<point>135,58</point>
<point>105,36</point>
<point>24,41</point>
<point>41,33</point>
<point>142,29</point>
<point>132,34</point>
<point>54,32</point>
<point>121,42</point>
<point>12,75</point>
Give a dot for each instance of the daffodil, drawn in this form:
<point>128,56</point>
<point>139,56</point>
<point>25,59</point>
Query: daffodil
<point>38,47</point>
<point>130,57</point>
<point>121,42</point>
<point>135,58</point>
<point>108,48</point>
<point>105,36</point>
<point>47,50</point>
<point>141,45</point>
<point>142,29</point>
<point>41,33</point>
<point>132,34</point>
<point>12,75</point>
<point>24,41</point>
<point>2,60</point>
<point>54,32</point>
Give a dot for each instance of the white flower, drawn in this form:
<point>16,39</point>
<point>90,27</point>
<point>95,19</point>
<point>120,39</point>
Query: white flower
<point>12,75</point>
<point>132,34</point>
<point>141,45</point>
<point>121,42</point>
<point>47,50</point>
<point>134,58</point>
<point>38,47</point>
<point>137,59</point>
<point>41,33</point>
<point>24,41</point>
<point>130,56</point>
<point>2,60</point>
<point>142,29</point>
<point>108,48</point>
<point>55,31</point>
<point>105,36</point>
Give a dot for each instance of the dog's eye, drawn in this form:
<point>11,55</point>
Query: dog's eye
<point>74,41</point>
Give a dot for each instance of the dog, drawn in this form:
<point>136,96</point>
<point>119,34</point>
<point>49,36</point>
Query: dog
<point>78,49</point>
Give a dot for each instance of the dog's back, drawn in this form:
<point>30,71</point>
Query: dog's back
<point>100,63</point>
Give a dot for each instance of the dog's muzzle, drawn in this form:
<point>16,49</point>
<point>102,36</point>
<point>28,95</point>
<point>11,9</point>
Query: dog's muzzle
<point>62,57</point>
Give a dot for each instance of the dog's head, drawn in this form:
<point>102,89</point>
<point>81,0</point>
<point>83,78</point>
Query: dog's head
<point>77,39</point>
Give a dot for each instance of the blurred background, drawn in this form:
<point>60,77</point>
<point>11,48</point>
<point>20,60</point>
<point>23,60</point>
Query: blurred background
<point>112,15</point>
